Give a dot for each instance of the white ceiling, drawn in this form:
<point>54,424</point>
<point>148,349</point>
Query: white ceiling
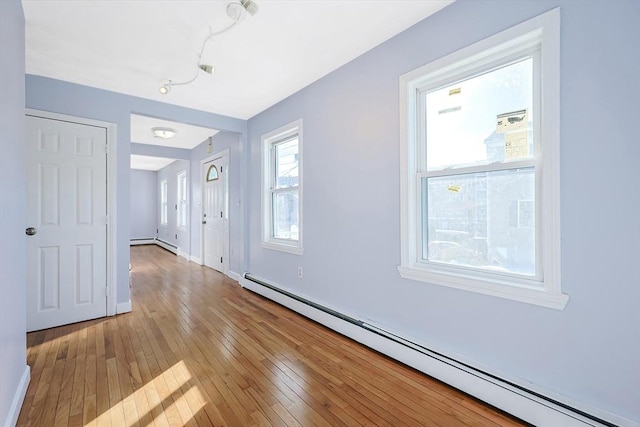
<point>149,163</point>
<point>133,47</point>
<point>187,136</point>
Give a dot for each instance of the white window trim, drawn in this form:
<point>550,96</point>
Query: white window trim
<point>178,201</point>
<point>268,139</point>
<point>545,31</point>
<point>164,204</point>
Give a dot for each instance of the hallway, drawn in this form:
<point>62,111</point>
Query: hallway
<point>199,350</point>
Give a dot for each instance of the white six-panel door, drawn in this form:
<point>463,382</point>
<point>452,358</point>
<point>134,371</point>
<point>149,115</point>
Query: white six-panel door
<point>66,208</point>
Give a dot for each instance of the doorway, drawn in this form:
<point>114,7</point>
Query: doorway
<point>68,211</point>
<point>215,212</point>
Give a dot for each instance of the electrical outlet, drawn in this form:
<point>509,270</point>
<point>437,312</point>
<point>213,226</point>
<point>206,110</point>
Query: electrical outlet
<point>299,272</point>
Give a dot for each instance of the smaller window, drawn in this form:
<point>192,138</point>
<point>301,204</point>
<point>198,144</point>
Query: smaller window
<point>282,189</point>
<point>212,173</point>
<point>182,200</point>
<point>163,203</point>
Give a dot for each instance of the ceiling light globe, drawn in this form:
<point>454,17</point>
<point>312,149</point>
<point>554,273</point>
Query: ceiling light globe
<point>163,133</point>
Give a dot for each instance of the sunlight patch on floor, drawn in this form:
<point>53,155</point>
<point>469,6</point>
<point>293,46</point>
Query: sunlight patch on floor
<point>163,399</point>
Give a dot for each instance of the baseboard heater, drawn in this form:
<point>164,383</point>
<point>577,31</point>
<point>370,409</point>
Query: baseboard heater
<point>142,241</point>
<point>582,417</point>
<point>166,245</point>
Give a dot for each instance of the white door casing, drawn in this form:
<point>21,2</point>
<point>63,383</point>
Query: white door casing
<point>67,205</point>
<point>215,214</point>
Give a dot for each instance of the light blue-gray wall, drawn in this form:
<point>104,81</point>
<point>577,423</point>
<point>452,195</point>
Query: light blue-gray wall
<point>221,141</point>
<point>590,351</point>
<point>82,101</point>
<point>13,291</point>
<point>144,204</point>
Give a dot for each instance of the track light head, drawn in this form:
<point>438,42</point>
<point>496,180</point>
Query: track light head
<point>207,68</point>
<point>236,9</point>
<point>250,6</point>
<point>165,88</point>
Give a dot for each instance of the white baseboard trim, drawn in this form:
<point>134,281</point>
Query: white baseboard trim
<point>235,276</point>
<point>123,307</point>
<point>148,241</point>
<point>18,398</point>
<point>195,259</point>
<point>164,245</point>
<point>500,394</point>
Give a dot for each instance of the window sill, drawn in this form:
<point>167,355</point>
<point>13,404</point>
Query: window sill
<point>496,288</point>
<point>283,247</point>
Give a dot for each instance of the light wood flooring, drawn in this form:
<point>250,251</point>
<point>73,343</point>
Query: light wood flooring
<point>198,350</point>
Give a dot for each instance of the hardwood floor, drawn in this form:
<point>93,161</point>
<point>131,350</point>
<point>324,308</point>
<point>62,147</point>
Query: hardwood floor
<point>198,350</point>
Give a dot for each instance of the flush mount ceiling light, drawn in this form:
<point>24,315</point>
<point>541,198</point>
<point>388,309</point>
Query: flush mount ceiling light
<point>164,133</point>
<point>236,11</point>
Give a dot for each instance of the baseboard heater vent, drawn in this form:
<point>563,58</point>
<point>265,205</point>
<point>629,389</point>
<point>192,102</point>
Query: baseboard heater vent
<point>168,246</point>
<point>434,354</point>
<point>305,301</point>
<point>143,241</point>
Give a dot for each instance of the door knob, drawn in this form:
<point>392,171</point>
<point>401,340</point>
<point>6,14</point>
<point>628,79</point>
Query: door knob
<point>31,231</point>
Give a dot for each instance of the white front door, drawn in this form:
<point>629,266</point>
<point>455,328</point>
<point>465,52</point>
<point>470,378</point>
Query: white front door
<point>66,216</point>
<point>215,214</point>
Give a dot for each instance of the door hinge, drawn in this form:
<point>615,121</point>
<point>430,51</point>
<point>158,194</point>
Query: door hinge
<point>106,219</point>
<point>106,292</point>
<point>220,169</point>
<point>220,260</point>
<point>106,148</point>
<point>220,214</point>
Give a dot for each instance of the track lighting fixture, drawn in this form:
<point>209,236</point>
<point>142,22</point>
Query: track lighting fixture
<point>235,11</point>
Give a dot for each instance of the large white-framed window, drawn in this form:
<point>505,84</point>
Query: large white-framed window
<point>480,167</point>
<point>164,208</point>
<point>282,188</point>
<point>181,206</point>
